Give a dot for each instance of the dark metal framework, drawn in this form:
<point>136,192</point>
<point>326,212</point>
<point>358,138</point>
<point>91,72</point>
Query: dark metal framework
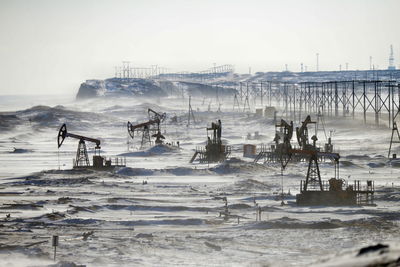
<point>214,151</point>
<point>369,98</point>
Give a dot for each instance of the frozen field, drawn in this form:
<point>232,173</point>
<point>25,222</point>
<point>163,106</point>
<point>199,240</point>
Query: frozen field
<point>113,219</point>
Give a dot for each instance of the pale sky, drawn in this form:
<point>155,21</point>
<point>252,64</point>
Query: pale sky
<point>50,46</point>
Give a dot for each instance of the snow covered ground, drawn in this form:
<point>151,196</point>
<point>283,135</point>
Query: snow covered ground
<point>177,218</point>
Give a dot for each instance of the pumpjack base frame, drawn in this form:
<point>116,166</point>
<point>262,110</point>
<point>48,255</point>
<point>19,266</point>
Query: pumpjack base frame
<point>347,195</point>
<point>101,164</point>
<point>99,168</point>
<point>326,198</point>
<point>212,154</point>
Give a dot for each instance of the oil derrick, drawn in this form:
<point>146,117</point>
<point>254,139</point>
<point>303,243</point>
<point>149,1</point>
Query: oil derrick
<point>145,137</point>
<point>214,150</point>
<point>146,128</point>
<point>394,130</point>
<point>82,158</point>
<point>313,178</point>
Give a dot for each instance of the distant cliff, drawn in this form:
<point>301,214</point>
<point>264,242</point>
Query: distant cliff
<point>120,87</point>
<point>147,88</point>
<point>204,90</point>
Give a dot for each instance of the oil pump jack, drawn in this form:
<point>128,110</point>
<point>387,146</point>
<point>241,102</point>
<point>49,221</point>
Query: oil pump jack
<point>314,191</point>
<point>146,128</point>
<point>82,159</point>
<point>214,150</point>
<point>279,150</point>
<point>335,192</point>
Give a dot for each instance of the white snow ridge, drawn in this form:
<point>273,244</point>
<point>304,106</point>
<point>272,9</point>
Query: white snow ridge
<point>161,210</point>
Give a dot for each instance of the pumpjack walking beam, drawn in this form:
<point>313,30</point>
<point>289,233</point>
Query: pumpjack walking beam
<point>62,134</point>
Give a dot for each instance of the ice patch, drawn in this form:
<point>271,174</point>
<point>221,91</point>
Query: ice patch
<point>376,164</point>
<point>21,150</point>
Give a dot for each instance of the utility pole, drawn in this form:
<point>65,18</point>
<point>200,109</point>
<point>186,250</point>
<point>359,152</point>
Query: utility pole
<point>391,59</point>
<point>317,62</point>
<point>190,112</point>
<point>370,62</point>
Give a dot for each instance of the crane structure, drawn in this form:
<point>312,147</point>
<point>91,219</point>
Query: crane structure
<point>82,158</point>
<point>149,129</point>
<point>214,150</point>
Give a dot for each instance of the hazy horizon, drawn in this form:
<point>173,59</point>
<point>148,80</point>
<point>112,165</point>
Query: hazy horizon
<point>50,47</point>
